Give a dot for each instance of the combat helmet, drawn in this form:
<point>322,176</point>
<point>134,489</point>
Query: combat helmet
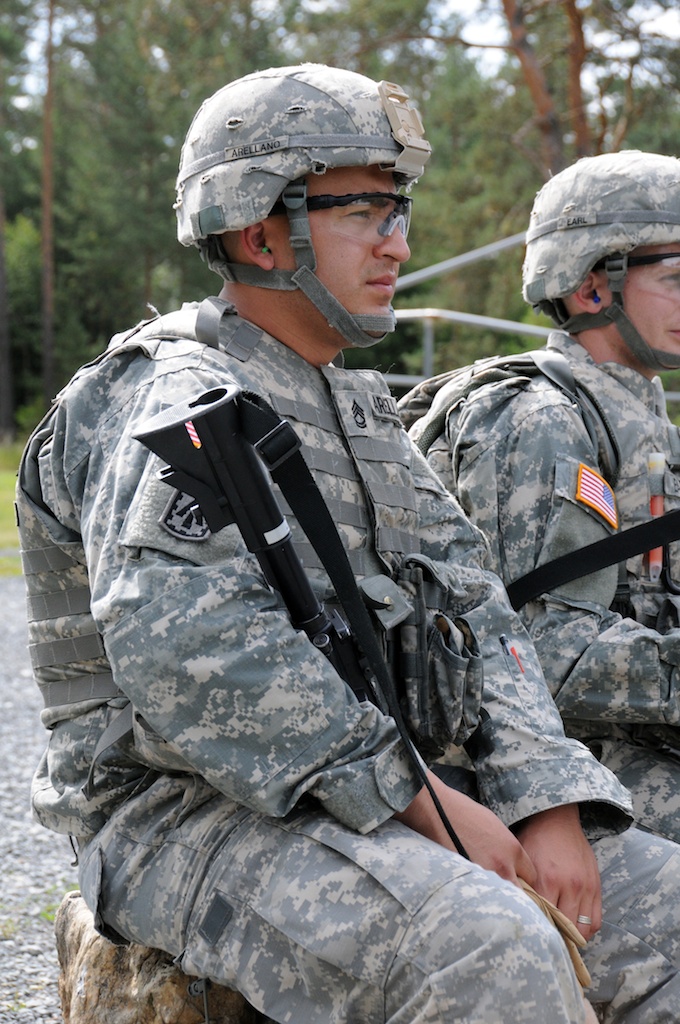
<point>252,144</point>
<point>592,214</point>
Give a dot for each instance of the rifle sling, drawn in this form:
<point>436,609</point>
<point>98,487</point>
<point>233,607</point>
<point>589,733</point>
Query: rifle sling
<point>290,471</point>
<point>653,534</point>
<point>294,478</point>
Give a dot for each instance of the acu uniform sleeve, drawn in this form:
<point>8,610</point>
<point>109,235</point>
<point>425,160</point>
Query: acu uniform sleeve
<point>529,478</point>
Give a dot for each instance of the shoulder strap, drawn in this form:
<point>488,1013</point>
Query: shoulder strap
<point>451,388</point>
<point>271,436</point>
<point>616,548</point>
<point>215,328</point>
<point>441,394</point>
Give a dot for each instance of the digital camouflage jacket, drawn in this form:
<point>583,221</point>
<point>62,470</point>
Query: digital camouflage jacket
<point>133,603</point>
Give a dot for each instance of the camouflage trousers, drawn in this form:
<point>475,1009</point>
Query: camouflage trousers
<point>316,924</point>
<point>651,772</point>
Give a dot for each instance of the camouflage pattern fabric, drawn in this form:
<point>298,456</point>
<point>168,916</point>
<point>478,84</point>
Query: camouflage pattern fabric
<point>610,647</point>
<point>610,203</point>
<point>245,827</point>
<point>315,922</point>
<point>101,482</point>
<point>257,134</point>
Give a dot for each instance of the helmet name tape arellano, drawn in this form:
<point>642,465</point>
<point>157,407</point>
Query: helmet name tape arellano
<point>256,135</point>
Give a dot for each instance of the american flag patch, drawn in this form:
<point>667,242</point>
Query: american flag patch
<point>594,491</point>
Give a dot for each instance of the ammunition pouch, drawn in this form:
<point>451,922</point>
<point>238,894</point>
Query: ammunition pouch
<point>438,668</point>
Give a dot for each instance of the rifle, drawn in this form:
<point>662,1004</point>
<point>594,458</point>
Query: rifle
<point>209,458</point>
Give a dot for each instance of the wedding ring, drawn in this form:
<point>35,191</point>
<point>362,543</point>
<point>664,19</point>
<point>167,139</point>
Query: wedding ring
<point>582,919</point>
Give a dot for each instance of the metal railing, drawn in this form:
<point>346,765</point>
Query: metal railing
<point>430,316</point>
<point>455,262</point>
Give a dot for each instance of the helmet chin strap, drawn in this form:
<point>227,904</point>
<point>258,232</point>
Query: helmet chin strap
<point>616,268</point>
<point>354,328</point>
<point>361,331</point>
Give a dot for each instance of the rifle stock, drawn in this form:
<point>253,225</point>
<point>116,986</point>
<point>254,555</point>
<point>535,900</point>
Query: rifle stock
<point>210,458</point>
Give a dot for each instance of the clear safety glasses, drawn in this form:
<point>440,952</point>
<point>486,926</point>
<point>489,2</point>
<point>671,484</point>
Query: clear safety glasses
<point>366,216</point>
<point>658,257</point>
<point>663,270</point>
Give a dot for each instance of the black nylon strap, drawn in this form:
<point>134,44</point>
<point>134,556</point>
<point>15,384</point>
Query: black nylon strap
<point>260,425</point>
<point>575,564</point>
<point>265,429</point>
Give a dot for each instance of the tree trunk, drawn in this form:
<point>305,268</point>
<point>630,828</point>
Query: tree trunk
<point>577,54</point>
<point>6,381</point>
<point>47,237</point>
<point>552,150</point>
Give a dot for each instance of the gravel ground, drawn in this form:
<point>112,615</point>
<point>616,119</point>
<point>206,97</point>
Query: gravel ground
<point>35,864</point>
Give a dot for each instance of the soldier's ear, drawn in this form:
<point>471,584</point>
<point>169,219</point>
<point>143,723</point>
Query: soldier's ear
<point>254,244</point>
<point>592,293</point>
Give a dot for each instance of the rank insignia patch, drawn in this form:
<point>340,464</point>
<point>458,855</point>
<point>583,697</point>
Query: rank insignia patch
<point>594,491</point>
<point>183,518</point>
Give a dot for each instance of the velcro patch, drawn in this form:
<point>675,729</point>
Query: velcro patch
<point>384,407</point>
<point>216,919</point>
<point>183,518</point>
<point>594,491</point>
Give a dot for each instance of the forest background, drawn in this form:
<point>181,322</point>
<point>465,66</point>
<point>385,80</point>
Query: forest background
<point>96,97</point>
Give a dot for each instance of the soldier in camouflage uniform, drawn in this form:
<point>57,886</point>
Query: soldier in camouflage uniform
<point>232,800</point>
<point>603,260</point>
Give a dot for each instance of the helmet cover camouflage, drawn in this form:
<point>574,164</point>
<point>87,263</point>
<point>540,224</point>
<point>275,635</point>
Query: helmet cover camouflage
<point>254,136</point>
<point>598,206</point>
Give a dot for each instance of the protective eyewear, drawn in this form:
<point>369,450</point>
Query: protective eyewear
<point>667,276</point>
<point>658,257</point>
<point>368,216</point>
<point>664,272</point>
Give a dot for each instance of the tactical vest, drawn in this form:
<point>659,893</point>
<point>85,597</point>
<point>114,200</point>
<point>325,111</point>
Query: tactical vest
<point>368,489</point>
<point>435,407</point>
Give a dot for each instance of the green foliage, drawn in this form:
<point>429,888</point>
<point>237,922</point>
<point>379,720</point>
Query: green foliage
<point>8,529</point>
<point>130,74</point>
<point>10,564</point>
<point>22,256</point>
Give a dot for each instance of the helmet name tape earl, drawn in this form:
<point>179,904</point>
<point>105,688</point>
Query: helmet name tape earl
<point>609,204</point>
<point>594,214</point>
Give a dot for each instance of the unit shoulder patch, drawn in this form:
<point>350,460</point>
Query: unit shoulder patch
<point>183,518</point>
<point>594,491</point>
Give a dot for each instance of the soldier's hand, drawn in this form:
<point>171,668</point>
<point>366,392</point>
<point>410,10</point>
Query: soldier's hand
<point>567,872</point>
<point>486,839</point>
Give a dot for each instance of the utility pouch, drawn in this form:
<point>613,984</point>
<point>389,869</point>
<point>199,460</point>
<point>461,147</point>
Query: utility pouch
<point>438,665</point>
